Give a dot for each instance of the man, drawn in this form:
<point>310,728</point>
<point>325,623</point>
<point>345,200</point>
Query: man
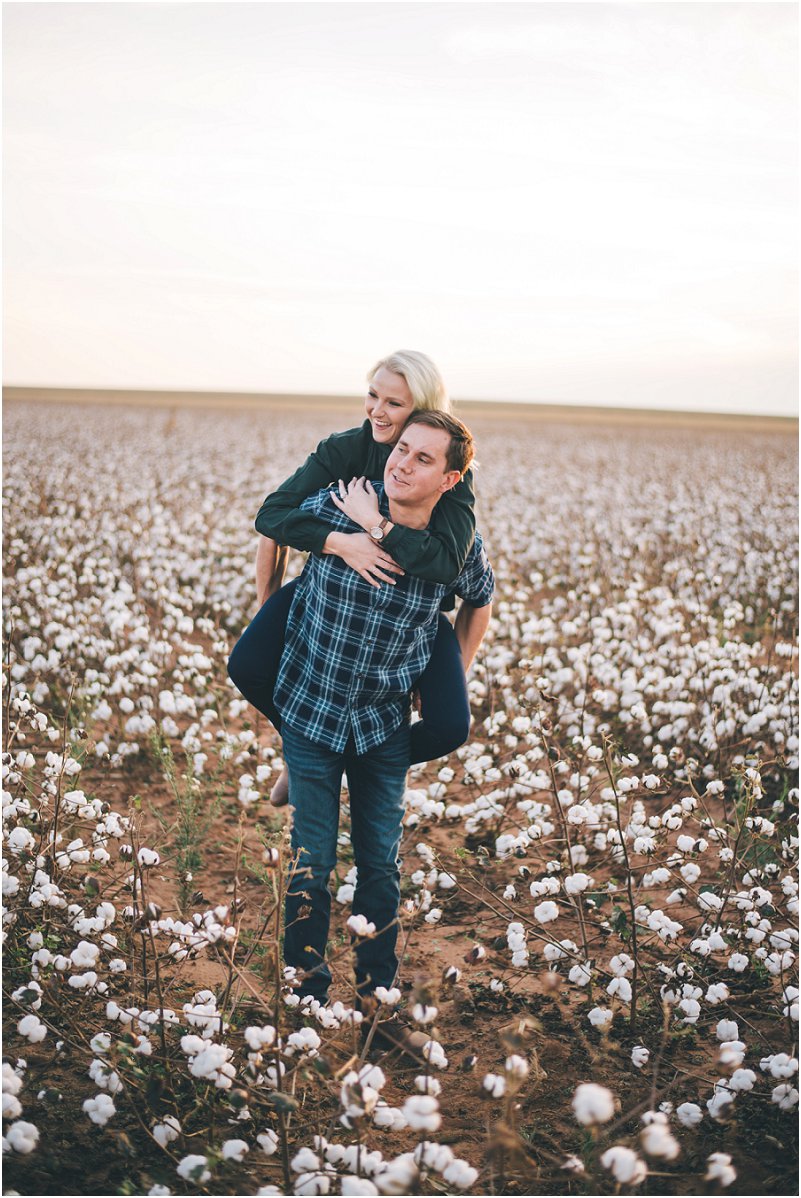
<point>352,654</point>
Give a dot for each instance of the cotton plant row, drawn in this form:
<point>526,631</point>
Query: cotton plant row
<point>74,961</point>
<point>625,786</point>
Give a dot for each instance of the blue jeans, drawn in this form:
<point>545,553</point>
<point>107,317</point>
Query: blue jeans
<point>376,784</point>
<point>445,710</point>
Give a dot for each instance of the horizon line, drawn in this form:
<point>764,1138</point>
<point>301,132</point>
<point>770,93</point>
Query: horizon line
<point>155,396</point>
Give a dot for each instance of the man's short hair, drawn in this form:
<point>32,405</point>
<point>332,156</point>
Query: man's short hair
<point>462,447</point>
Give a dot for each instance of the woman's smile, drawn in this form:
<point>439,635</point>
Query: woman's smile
<point>388,405</point>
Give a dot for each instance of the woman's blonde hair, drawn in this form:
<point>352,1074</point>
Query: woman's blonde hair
<point>422,378</point>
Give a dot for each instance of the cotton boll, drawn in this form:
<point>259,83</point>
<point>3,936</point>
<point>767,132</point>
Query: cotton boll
<point>234,1150</point>
<point>165,1132</point>
<point>689,1114</point>
<point>423,1014</point>
<point>718,1105</point>
<point>305,1161</point>
<point>435,1157</point>
<point>421,1112</point>
<point>580,974</point>
<point>576,883</point>
<point>399,1176</point>
<point>639,1056</point>
<point>620,988</point>
<point>259,1038</point>
<point>732,1052</point>
<point>193,1168</point>
<point>494,1085</point>
<point>517,1067</point>
<point>85,956</point>
<point>350,1184</point>
<point>546,912</point>
<point>32,1029</point>
<point>19,841</point>
<point>460,1174</point>
<point>601,1018</point>
<point>779,1065</point>
<point>625,1166</point>
<point>657,1139</point>
<point>727,1030</point>
<point>360,926</point>
<point>100,1109</point>
<point>785,1096</point>
<point>22,1137</point>
<point>435,1054</point>
<point>720,1169</point>
<point>593,1104</point>
<point>390,1117</point>
<point>268,1142</point>
<point>12,1107</point>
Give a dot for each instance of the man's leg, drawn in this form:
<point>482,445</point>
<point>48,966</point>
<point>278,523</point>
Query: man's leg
<point>315,775</point>
<point>376,783</point>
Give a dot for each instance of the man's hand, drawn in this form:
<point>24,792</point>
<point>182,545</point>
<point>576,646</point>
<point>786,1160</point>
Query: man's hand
<point>359,501</point>
<point>363,555</point>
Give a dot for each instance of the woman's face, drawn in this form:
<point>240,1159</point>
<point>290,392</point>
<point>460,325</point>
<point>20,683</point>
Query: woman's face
<point>388,405</point>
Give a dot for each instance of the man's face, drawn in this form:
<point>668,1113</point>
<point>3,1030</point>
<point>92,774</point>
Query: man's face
<point>416,470</point>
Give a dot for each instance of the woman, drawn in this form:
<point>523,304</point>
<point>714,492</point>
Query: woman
<point>399,384</point>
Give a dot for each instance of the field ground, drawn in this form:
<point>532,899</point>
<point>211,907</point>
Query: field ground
<point>647,591</point>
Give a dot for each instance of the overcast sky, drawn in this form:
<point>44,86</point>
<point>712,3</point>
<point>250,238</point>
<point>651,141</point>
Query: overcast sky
<point>583,203</point>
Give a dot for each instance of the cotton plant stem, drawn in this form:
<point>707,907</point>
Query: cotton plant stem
<point>156,970</point>
<point>735,861</point>
<point>629,891</point>
<point>575,903</point>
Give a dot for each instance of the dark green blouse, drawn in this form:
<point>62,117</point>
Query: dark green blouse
<point>436,553</point>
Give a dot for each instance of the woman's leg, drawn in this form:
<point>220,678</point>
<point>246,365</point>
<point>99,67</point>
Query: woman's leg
<point>444,706</point>
<point>256,656</point>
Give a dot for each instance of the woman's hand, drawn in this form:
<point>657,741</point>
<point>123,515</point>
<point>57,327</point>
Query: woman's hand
<point>358,501</point>
<point>364,556</point>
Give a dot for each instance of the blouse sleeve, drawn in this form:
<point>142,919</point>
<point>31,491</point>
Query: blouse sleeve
<point>279,516</point>
<point>438,553</point>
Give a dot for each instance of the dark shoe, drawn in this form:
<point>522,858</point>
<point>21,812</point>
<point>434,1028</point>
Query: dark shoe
<point>394,1034</point>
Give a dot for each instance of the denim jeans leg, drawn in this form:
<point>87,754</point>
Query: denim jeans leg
<point>315,780</point>
<point>376,783</point>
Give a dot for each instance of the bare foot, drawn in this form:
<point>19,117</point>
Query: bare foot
<point>279,795</point>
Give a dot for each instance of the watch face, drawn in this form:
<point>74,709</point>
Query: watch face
<point>377,533</point>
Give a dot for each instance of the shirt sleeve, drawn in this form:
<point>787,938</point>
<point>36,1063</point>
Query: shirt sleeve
<point>280,516</point>
<point>439,552</point>
<point>476,584</point>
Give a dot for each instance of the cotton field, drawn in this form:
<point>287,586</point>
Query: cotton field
<point>600,895</point>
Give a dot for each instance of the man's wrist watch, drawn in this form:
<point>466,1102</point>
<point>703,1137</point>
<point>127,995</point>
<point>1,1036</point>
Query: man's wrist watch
<point>378,531</point>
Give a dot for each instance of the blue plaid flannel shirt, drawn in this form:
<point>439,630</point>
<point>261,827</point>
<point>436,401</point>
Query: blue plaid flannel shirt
<point>353,652</point>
